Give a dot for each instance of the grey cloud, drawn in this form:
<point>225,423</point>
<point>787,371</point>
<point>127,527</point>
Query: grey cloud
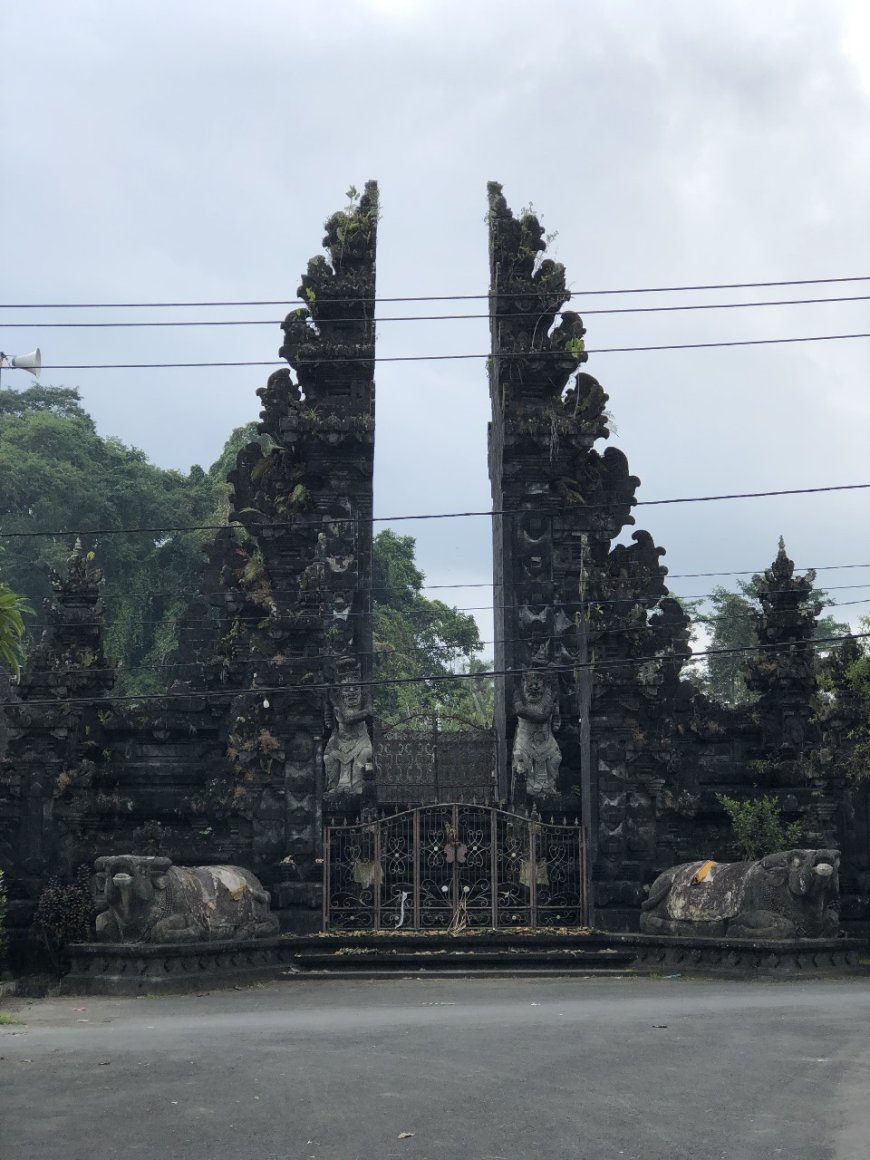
<point>165,151</point>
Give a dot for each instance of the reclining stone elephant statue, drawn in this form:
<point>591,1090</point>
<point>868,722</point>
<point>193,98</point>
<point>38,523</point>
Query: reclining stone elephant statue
<point>149,900</point>
<point>791,894</point>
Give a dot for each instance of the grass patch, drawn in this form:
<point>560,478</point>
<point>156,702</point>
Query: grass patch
<point>6,1018</point>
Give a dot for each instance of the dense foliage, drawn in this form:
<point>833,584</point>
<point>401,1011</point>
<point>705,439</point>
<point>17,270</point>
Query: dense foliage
<point>57,473</point>
<point>849,687</point>
<point>731,623</point>
<point>417,639</point>
<point>758,826</point>
<point>64,914</point>
<point>12,609</point>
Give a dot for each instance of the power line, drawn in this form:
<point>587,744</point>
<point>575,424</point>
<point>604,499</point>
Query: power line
<point>552,512</point>
<point>419,614</point>
<point>528,354</point>
<point>526,314</point>
<point>414,613</point>
<point>451,652</point>
<point>203,593</point>
<point>757,571</point>
<point>669,576</point>
<point>321,687</point>
<point>434,297</point>
<point>308,660</point>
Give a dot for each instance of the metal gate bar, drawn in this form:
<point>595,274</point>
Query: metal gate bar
<point>443,865</point>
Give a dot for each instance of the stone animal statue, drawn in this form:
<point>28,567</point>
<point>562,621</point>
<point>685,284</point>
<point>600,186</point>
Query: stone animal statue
<point>792,894</point>
<point>149,900</point>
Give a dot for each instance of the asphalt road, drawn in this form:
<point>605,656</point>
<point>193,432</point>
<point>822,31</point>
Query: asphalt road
<point>477,1069</point>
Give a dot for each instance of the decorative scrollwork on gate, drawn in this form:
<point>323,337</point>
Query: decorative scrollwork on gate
<point>454,865</point>
<point>418,760</point>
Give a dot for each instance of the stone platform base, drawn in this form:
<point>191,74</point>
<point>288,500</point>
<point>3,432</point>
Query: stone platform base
<point>745,957</point>
<point>174,968</point>
<point>118,969</point>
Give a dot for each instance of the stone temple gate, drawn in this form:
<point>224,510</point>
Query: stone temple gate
<point>275,738</point>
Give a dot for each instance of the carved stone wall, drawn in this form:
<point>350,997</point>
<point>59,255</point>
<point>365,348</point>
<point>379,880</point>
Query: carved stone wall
<point>295,615</point>
<point>565,595</point>
<point>644,753</point>
<point>228,767</point>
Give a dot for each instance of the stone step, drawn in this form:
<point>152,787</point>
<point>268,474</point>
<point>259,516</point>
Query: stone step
<point>458,970</point>
<point>461,959</point>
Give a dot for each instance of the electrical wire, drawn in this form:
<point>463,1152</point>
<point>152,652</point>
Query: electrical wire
<point>320,687</point>
<point>451,653</point>
<point>435,297</point>
<point>333,520</point>
<point>498,316</point>
<point>403,358</point>
<point>368,589</point>
<point>413,614</point>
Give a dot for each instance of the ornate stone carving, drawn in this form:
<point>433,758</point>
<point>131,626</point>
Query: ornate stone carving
<point>536,753</point>
<point>150,900</point>
<point>348,751</point>
<point>792,894</point>
<point>783,673</point>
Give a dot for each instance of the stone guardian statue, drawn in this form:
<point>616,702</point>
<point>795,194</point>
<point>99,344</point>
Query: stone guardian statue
<point>349,748</point>
<point>536,754</point>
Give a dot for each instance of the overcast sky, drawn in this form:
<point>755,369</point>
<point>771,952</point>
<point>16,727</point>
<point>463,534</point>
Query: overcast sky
<point>157,151</point>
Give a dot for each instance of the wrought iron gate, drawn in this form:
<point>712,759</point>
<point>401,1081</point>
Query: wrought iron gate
<point>452,866</point>
<point>418,760</point>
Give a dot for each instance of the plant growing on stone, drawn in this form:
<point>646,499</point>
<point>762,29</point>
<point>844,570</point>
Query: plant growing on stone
<point>64,914</point>
<point>12,628</point>
<point>758,826</point>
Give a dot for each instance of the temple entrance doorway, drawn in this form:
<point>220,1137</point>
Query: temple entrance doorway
<point>455,866</point>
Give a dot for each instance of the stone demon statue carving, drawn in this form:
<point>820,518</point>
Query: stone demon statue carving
<point>793,894</point>
<point>150,900</point>
<point>536,755</point>
<point>349,748</point>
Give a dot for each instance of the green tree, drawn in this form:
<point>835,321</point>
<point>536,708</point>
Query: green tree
<point>731,622</point>
<point>417,638</point>
<point>62,401</point>
<point>851,694</point>
<point>758,827</point>
<point>57,473</point>
<point>12,607</point>
<point>226,461</point>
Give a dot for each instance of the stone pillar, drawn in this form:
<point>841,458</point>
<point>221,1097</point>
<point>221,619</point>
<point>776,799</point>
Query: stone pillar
<point>54,725</point>
<point>296,610</point>
<point>564,596</point>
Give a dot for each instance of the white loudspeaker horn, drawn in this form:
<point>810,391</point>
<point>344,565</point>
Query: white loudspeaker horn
<point>28,362</point>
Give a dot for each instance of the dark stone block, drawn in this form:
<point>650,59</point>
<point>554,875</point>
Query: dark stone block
<point>298,894</point>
